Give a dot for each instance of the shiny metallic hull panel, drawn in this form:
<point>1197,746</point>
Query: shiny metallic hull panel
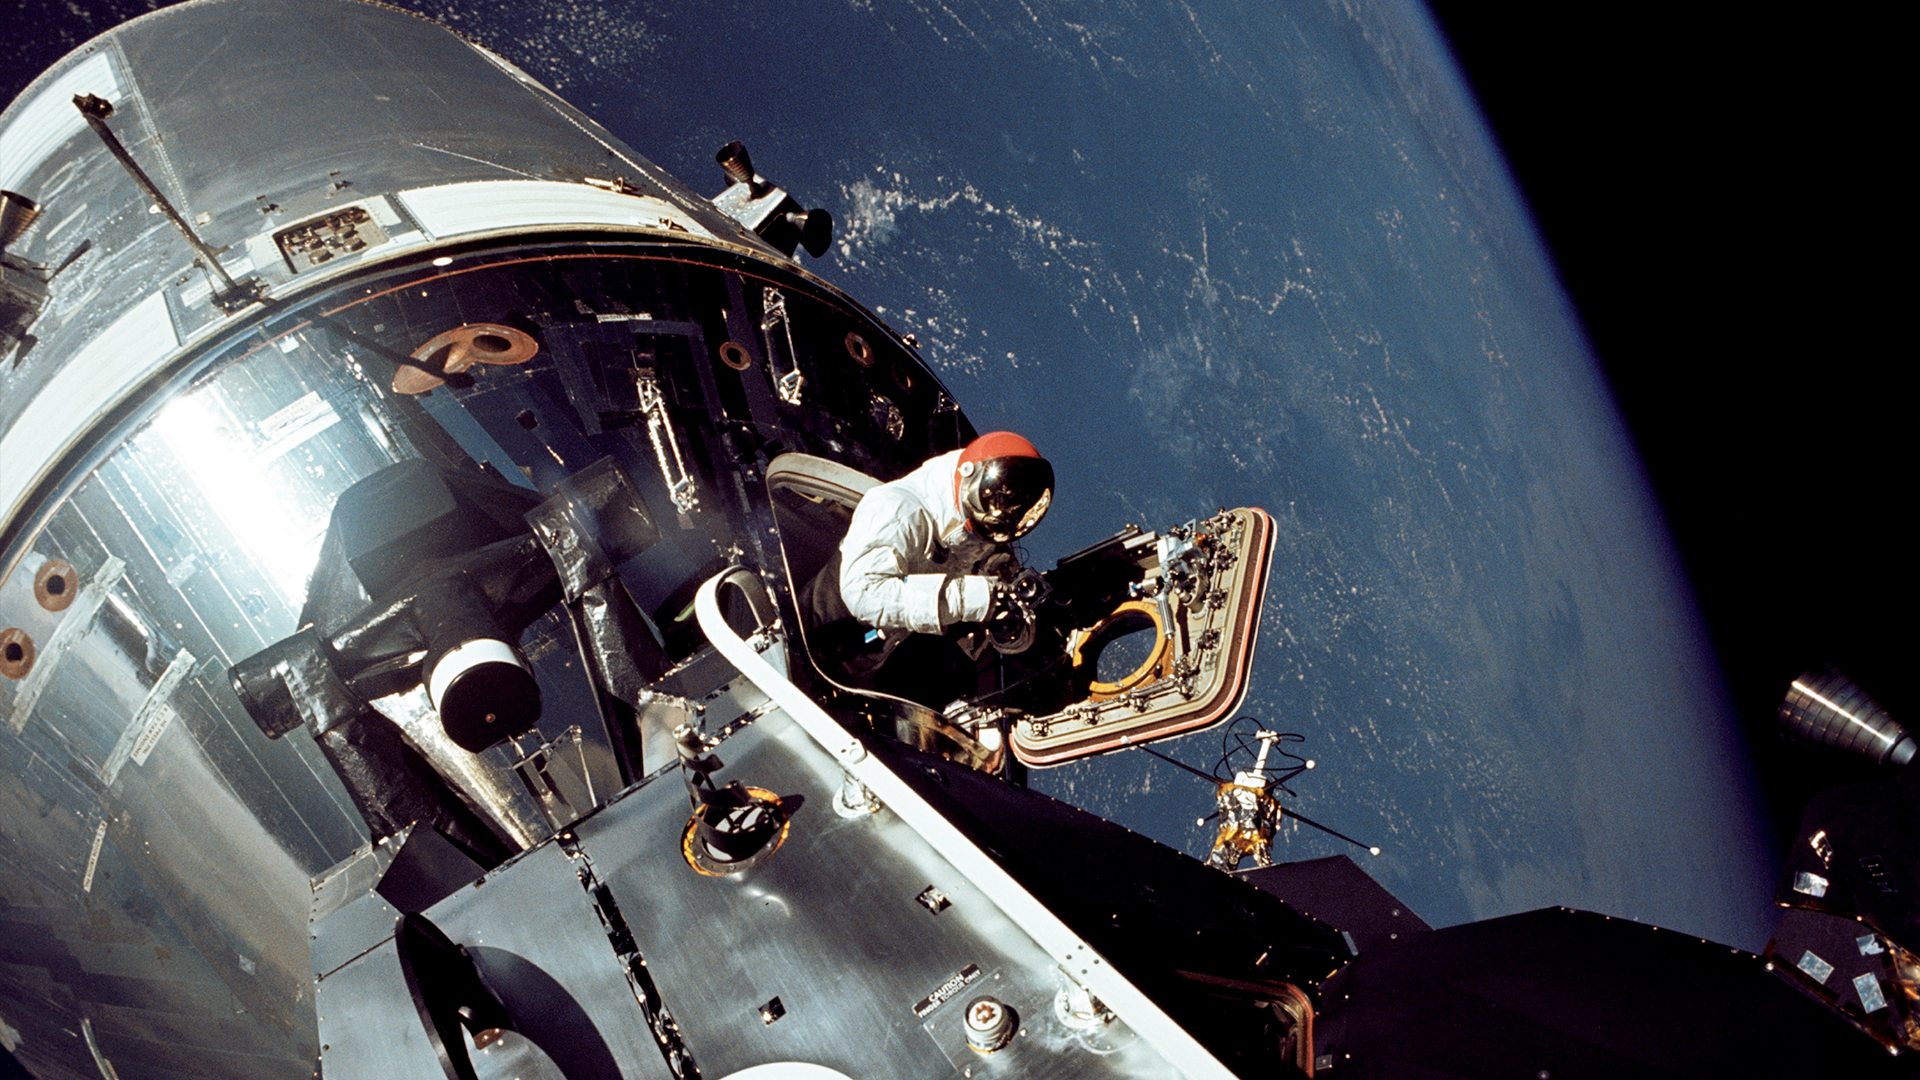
<point>831,926</point>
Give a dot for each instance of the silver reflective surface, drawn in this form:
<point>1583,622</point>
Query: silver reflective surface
<point>832,926</point>
<point>357,918</point>
<point>147,825</point>
<point>532,932</point>
<point>483,780</point>
<point>151,830</point>
<point>368,1027</point>
<point>822,954</point>
<point>156,848</point>
<point>263,120</point>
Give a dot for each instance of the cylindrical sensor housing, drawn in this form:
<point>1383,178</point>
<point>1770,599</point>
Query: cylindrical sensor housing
<point>484,693</point>
<point>1828,708</point>
<point>990,1024</point>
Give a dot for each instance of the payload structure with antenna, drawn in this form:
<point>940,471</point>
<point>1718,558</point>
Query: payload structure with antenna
<point>1249,814</point>
<point>1849,894</point>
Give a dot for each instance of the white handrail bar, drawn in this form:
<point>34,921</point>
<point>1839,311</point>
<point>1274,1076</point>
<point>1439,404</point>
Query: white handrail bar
<point>1073,954</point>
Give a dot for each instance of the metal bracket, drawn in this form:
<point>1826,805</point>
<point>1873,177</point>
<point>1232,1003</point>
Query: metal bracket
<point>854,799</point>
<point>555,773</point>
<point>775,305</point>
<point>230,296</point>
<point>665,1029</point>
<point>666,445</point>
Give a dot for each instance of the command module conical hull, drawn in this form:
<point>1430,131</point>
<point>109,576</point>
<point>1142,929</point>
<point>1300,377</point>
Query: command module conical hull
<point>407,489</point>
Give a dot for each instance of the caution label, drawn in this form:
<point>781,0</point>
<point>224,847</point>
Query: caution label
<point>965,978</point>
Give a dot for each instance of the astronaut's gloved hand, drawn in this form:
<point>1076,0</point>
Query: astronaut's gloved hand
<point>1002,565</point>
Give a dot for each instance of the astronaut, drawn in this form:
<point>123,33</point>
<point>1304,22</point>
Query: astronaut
<point>925,557</point>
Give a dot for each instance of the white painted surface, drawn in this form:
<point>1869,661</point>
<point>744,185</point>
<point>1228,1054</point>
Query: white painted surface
<point>98,378</point>
<point>464,658</point>
<point>450,210</point>
<point>788,1070</point>
<point>39,127</point>
<point>1074,955</point>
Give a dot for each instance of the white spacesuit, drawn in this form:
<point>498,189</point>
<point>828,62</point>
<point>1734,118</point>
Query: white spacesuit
<point>926,553</point>
<point>908,561</point>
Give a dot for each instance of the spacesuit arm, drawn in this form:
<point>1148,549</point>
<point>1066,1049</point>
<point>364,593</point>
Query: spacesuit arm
<point>888,537</point>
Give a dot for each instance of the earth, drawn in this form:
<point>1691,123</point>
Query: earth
<point>1258,255</point>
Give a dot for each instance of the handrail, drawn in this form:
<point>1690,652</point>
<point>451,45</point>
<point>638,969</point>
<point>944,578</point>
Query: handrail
<point>1066,948</point>
<point>765,618</point>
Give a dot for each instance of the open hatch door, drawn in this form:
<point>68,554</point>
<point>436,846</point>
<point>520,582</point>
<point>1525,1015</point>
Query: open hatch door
<point>1195,591</point>
<point>1198,588</point>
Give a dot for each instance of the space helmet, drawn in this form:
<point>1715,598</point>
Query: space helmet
<point>1003,486</point>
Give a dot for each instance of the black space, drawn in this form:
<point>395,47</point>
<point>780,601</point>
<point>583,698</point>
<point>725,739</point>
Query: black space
<point>1716,194</point>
